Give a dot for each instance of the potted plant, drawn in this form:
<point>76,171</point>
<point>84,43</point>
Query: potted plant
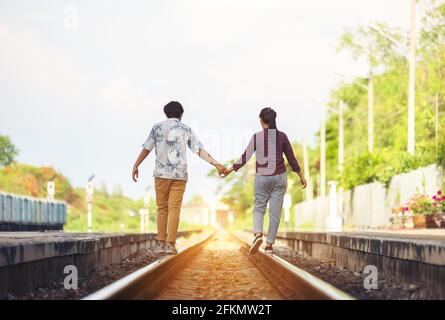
<point>439,205</point>
<point>420,205</point>
<point>396,219</point>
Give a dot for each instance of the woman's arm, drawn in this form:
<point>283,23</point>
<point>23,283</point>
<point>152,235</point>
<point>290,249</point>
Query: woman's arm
<point>293,161</point>
<point>248,153</point>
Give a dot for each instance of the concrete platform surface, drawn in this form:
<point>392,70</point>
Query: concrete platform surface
<point>414,256</point>
<point>21,247</point>
<point>32,259</point>
<point>421,234</point>
<point>425,246</point>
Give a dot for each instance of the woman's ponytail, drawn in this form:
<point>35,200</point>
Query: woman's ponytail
<point>268,115</point>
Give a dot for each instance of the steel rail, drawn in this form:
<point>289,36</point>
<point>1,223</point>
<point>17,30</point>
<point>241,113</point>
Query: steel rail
<point>149,279</point>
<point>292,282</point>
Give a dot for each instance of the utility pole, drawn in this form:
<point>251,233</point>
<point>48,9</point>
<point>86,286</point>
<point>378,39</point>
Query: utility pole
<point>341,137</point>
<point>323,153</point>
<point>411,57</point>
<point>146,208</point>
<point>371,112</point>
<point>334,221</point>
<point>437,124</point>
<point>307,175</point>
<point>287,203</point>
<point>412,82</point>
<point>370,89</point>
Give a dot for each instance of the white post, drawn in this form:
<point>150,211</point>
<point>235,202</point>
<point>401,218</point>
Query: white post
<point>213,221</point>
<point>142,221</point>
<point>212,203</point>
<point>287,203</point>
<point>307,175</point>
<point>334,221</point>
<point>323,153</point>
<point>89,195</point>
<point>231,218</point>
<point>51,190</point>
<point>341,138</point>
<point>412,82</point>
<point>90,217</point>
<point>146,196</point>
<point>371,112</point>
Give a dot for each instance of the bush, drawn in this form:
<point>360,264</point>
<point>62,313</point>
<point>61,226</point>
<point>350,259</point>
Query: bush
<point>381,166</point>
<point>7,151</point>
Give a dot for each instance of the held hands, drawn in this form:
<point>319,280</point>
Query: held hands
<point>223,171</point>
<point>229,171</point>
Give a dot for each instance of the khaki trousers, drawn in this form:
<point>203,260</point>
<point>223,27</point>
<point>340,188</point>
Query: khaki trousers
<point>169,195</point>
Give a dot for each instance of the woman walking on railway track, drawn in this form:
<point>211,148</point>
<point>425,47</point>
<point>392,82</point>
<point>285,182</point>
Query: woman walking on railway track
<point>271,178</point>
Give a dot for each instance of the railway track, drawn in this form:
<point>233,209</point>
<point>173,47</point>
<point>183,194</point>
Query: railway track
<point>219,267</point>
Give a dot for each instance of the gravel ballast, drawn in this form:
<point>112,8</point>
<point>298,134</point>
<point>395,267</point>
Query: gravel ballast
<point>94,281</point>
<point>351,282</point>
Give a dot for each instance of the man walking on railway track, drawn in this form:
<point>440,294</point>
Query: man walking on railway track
<point>170,140</point>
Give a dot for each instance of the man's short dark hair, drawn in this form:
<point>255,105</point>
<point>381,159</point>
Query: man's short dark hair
<point>173,109</point>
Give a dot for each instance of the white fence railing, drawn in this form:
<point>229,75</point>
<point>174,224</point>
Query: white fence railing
<point>369,205</point>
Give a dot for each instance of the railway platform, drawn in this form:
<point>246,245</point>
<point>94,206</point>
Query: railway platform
<point>32,259</point>
<point>413,256</point>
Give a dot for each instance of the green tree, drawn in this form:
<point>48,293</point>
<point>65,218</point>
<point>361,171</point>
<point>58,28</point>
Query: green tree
<point>390,108</point>
<point>390,78</point>
<point>8,151</point>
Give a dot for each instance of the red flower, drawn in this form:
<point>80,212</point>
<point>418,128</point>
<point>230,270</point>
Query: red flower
<point>443,197</point>
<point>439,192</point>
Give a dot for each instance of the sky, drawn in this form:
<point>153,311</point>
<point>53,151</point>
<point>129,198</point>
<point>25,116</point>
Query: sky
<point>82,82</point>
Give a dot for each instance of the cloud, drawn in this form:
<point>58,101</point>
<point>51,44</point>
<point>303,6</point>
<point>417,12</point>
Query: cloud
<point>26,61</point>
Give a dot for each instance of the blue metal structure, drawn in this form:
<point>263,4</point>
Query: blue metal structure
<point>22,213</point>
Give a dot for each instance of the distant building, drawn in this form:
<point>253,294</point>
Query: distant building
<point>218,215</point>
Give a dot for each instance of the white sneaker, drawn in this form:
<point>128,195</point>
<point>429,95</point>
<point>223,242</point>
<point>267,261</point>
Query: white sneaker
<point>170,248</point>
<point>268,250</point>
<point>160,247</point>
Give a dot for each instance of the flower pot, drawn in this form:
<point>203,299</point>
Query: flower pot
<point>430,221</point>
<point>419,221</point>
<point>440,219</point>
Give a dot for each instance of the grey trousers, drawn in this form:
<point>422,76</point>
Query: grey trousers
<point>269,189</point>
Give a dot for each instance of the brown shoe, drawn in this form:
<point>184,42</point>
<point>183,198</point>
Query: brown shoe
<point>256,244</point>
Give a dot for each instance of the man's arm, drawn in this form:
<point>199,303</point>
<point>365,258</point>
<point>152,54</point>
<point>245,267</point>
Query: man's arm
<point>135,173</point>
<point>204,155</point>
<point>147,146</point>
<point>196,146</point>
